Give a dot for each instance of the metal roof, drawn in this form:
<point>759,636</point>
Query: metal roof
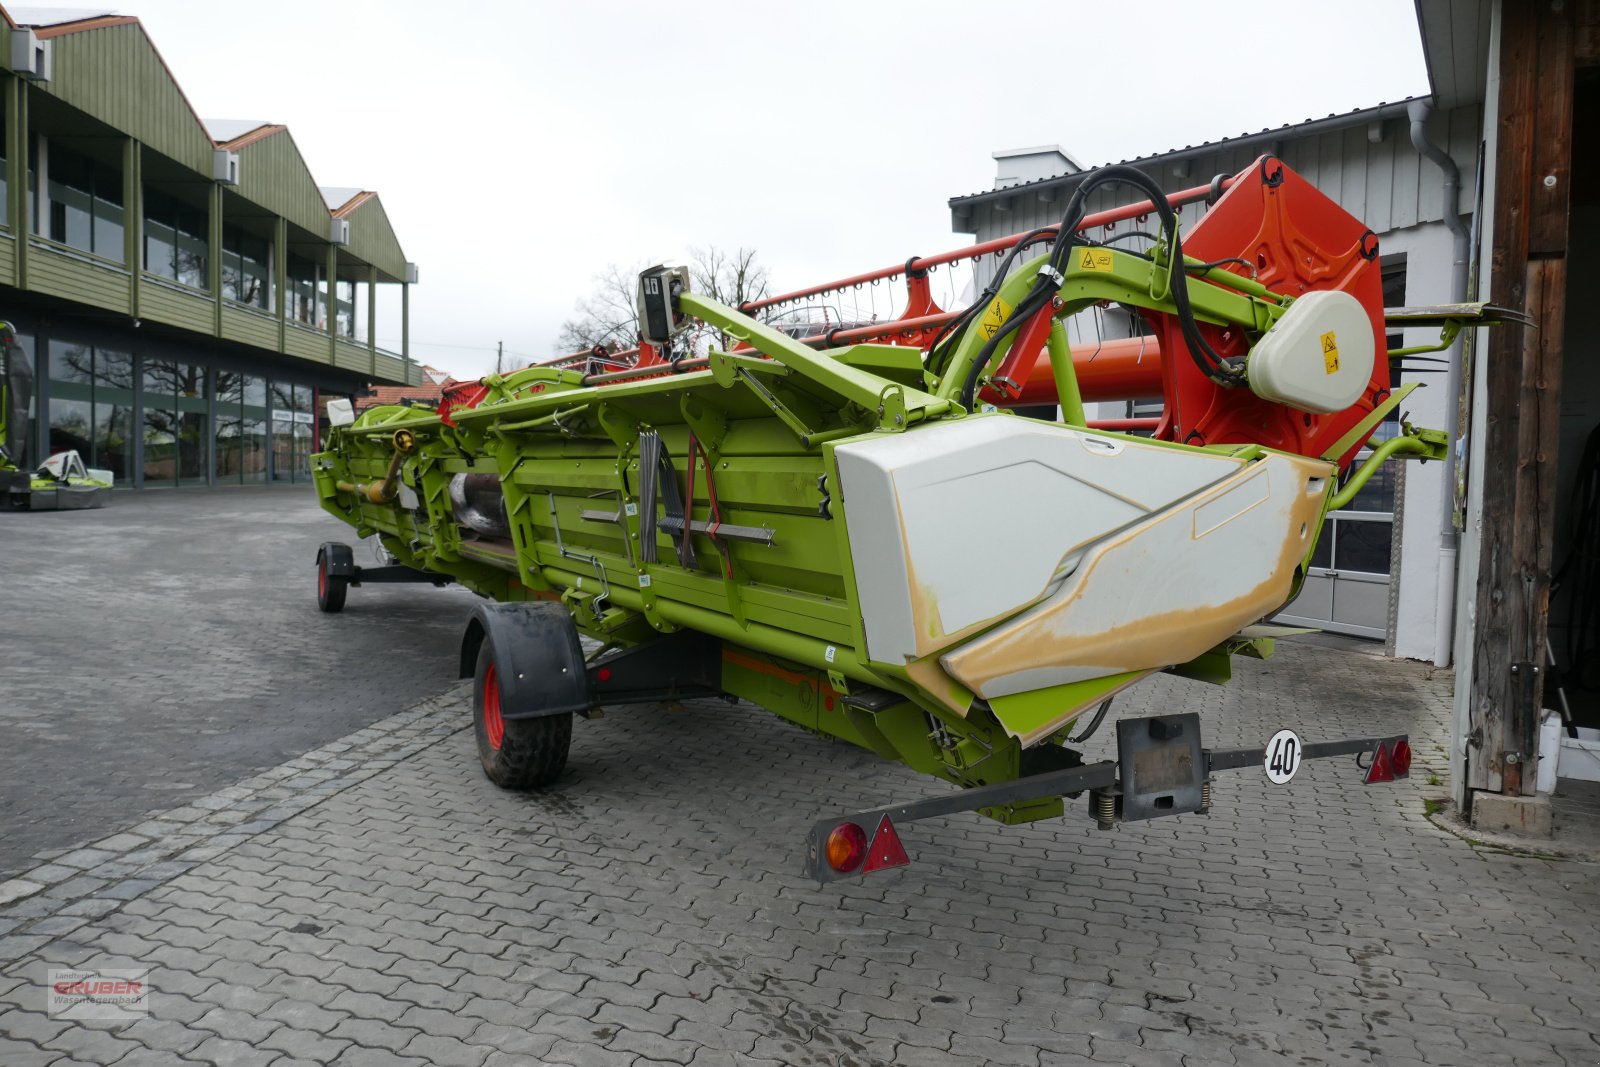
<point>1308,128</point>
<point>1455,44</point>
<point>56,16</point>
<point>225,130</point>
<point>337,196</point>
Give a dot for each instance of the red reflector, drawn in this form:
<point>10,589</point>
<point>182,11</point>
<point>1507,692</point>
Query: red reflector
<point>847,846</point>
<point>1402,758</point>
<point>604,674</point>
<point>886,850</point>
<point>1382,769</point>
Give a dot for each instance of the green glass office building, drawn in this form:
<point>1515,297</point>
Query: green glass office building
<point>187,293</point>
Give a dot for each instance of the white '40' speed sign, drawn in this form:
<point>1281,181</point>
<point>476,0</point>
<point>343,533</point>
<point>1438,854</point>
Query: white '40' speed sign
<point>1283,756</point>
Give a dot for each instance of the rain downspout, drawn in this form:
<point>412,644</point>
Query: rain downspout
<point>1444,608</point>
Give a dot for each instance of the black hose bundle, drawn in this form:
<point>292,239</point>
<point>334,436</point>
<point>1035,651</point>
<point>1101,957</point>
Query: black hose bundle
<point>1210,362</point>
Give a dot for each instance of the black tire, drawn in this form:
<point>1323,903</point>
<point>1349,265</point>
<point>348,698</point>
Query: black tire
<point>331,588</point>
<point>515,753</point>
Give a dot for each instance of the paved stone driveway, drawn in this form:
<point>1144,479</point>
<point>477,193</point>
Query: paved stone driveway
<point>170,644</point>
<point>378,901</point>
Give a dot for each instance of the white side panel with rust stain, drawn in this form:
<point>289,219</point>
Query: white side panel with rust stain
<point>1162,591</point>
<point>958,525</point>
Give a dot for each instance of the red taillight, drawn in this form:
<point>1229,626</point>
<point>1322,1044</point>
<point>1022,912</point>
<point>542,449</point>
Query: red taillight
<point>1380,769</point>
<point>1401,754</point>
<point>604,674</point>
<point>847,847</point>
<point>1391,760</point>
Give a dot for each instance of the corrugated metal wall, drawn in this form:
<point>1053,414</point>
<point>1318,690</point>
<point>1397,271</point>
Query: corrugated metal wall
<point>1383,183</point>
<point>373,239</point>
<point>272,173</point>
<point>114,74</point>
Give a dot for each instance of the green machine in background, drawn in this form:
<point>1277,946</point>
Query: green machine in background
<point>60,483</point>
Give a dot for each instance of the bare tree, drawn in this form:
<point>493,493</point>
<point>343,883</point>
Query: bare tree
<point>732,278</point>
<point>609,317</point>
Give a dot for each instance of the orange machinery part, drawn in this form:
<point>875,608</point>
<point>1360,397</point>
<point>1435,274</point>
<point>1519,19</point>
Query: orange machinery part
<point>1128,369</point>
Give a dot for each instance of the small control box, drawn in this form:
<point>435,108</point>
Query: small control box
<point>659,317</point>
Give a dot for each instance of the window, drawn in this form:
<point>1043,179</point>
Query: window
<point>282,431</point>
<point>229,429</point>
<point>193,430</point>
<point>85,208</point>
<point>160,429</point>
<point>91,405</point>
<point>176,431</point>
<point>304,430</point>
<point>113,412</point>
<point>5,174</point>
<point>345,307</point>
<point>300,303</point>
<point>253,430</point>
<point>245,267</point>
<point>174,239</point>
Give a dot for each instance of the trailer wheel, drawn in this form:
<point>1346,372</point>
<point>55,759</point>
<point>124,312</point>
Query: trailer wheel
<point>331,588</point>
<point>515,753</point>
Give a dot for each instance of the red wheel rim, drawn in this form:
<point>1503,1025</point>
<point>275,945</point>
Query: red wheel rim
<point>494,727</point>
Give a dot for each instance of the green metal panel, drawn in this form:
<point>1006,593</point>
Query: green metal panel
<point>251,328</point>
<point>115,74</point>
<point>273,174</point>
<point>352,357</point>
<point>62,274</point>
<point>8,255</point>
<point>373,239</point>
<point>390,369</point>
<point>305,343</point>
<point>175,305</point>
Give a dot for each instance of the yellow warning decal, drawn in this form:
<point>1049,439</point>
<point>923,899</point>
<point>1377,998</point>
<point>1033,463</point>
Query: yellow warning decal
<point>1098,259</point>
<point>994,318</point>
<point>1330,352</point>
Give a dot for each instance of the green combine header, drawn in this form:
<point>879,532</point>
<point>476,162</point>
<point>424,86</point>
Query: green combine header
<point>864,538</point>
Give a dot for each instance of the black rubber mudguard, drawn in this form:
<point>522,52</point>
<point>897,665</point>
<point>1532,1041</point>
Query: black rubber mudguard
<point>537,657</point>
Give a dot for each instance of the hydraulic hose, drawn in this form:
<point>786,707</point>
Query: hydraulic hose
<point>1210,362</point>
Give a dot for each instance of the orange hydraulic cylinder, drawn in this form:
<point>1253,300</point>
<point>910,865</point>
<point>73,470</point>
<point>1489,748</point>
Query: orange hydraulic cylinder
<point>1128,369</point>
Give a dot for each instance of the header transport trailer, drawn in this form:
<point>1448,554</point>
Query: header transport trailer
<point>851,530</point>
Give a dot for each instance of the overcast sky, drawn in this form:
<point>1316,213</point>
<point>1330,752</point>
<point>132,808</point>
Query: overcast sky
<point>520,147</point>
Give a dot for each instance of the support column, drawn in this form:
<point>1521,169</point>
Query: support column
<point>405,328</point>
<point>372,317</point>
<point>280,275</point>
<point>214,257</point>
<point>133,220</point>
<point>1523,377</point>
<point>332,310</point>
<point>17,165</point>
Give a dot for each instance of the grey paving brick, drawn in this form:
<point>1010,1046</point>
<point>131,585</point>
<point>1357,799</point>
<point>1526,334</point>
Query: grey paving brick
<point>446,1051</point>
<point>225,1053</point>
<point>304,1044</point>
<point>361,1005</point>
<point>237,1025</point>
<point>373,1034</point>
<point>15,1053</point>
<point>1047,943</point>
